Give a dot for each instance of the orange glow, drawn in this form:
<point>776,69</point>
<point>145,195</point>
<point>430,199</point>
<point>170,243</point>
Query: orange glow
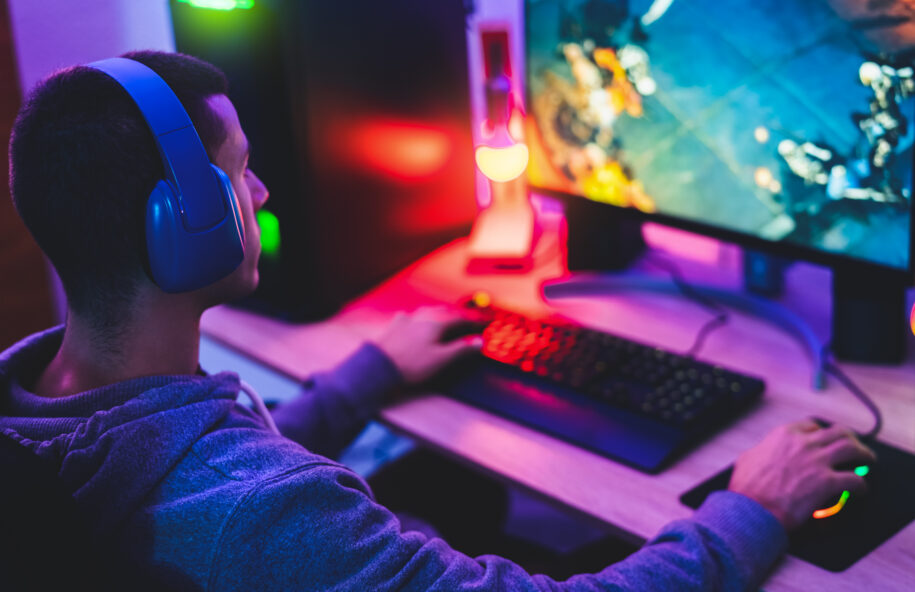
<point>912,319</point>
<point>400,149</point>
<point>608,183</point>
<point>623,96</point>
<point>502,164</point>
<point>832,510</point>
<point>482,299</point>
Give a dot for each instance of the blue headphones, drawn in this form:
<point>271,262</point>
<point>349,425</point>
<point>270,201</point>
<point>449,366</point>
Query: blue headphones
<point>194,231</point>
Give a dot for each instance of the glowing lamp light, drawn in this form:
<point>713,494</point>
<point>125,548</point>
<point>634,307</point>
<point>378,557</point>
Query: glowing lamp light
<point>270,233</point>
<point>504,232</point>
<point>501,159</point>
<point>502,164</point>
<point>220,4</point>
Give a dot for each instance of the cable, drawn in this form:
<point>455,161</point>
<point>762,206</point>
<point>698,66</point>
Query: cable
<point>259,406</point>
<point>712,298</point>
<point>721,317</point>
<point>831,368</point>
<point>827,364</point>
<point>716,323</point>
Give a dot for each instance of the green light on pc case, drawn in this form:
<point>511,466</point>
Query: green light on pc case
<point>220,4</point>
<point>862,471</point>
<point>270,233</point>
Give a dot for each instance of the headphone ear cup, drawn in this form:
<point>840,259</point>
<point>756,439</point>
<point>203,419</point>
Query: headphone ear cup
<point>163,224</point>
<point>231,201</point>
<point>181,260</point>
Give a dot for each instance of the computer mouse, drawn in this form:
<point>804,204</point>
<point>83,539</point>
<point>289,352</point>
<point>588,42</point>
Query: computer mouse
<point>862,469</point>
<point>476,311</point>
<point>463,328</point>
<point>865,470</point>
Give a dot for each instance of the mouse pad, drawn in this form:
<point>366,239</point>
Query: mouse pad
<point>837,542</point>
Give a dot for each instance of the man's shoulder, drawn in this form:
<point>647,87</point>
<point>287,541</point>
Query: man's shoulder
<point>221,476</point>
<point>228,464</point>
<point>246,456</point>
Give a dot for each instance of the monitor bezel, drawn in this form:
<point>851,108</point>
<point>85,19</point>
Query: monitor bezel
<point>835,261</point>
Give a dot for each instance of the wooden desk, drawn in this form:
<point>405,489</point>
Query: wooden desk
<point>631,501</point>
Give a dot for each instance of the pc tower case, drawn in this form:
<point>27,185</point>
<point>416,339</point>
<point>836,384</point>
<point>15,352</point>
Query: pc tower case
<point>358,117</point>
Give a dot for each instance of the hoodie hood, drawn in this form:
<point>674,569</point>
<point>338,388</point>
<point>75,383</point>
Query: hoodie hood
<point>113,444</point>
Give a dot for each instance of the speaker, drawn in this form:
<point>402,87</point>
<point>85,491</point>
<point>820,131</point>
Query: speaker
<point>868,317</point>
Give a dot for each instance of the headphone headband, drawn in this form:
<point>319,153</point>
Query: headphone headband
<point>194,231</point>
<point>183,156</point>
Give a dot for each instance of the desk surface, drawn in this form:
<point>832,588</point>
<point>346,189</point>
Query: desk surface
<point>631,501</point>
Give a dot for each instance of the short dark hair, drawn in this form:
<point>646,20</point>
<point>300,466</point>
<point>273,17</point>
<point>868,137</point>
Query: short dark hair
<point>82,165</point>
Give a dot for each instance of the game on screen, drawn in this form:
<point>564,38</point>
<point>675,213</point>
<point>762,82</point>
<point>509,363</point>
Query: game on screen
<point>788,120</point>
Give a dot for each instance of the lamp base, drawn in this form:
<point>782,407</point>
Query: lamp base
<point>502,239</point>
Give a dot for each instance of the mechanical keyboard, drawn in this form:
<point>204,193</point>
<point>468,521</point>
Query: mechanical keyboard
<point>633,402</point>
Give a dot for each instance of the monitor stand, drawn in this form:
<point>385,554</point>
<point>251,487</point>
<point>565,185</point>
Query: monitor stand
<point>868,318</point>
<point>596,283</point>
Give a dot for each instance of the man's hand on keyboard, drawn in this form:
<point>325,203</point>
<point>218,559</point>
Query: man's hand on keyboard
<point>425,341</point>
<point>791,472</point>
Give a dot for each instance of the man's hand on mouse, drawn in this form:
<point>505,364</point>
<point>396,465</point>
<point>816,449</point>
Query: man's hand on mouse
<point>417,342</point>
<point>791,472</point>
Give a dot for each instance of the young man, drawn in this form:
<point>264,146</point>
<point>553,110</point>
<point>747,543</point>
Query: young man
<point>192,487</point>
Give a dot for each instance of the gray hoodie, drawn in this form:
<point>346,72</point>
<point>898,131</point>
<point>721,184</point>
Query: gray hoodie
<point>194,490</point>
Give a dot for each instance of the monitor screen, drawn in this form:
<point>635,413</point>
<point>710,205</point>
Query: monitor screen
<point>785,121</point>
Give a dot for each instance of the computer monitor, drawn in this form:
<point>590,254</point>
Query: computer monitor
<point>758,121</point>
<point>784,126</point>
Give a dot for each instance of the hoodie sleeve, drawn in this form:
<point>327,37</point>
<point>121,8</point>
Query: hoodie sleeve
<point>334,406</point>
<point>317,528</point>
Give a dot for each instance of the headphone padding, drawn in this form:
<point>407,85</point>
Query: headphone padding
<point>181,260</point>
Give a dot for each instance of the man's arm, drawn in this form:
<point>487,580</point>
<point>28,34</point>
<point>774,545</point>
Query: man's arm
<point>334,406</point>
<point>317,528</point>
<point>730,543</point>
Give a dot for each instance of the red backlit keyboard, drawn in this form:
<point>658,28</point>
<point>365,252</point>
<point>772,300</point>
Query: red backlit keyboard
<point>639,378</point>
